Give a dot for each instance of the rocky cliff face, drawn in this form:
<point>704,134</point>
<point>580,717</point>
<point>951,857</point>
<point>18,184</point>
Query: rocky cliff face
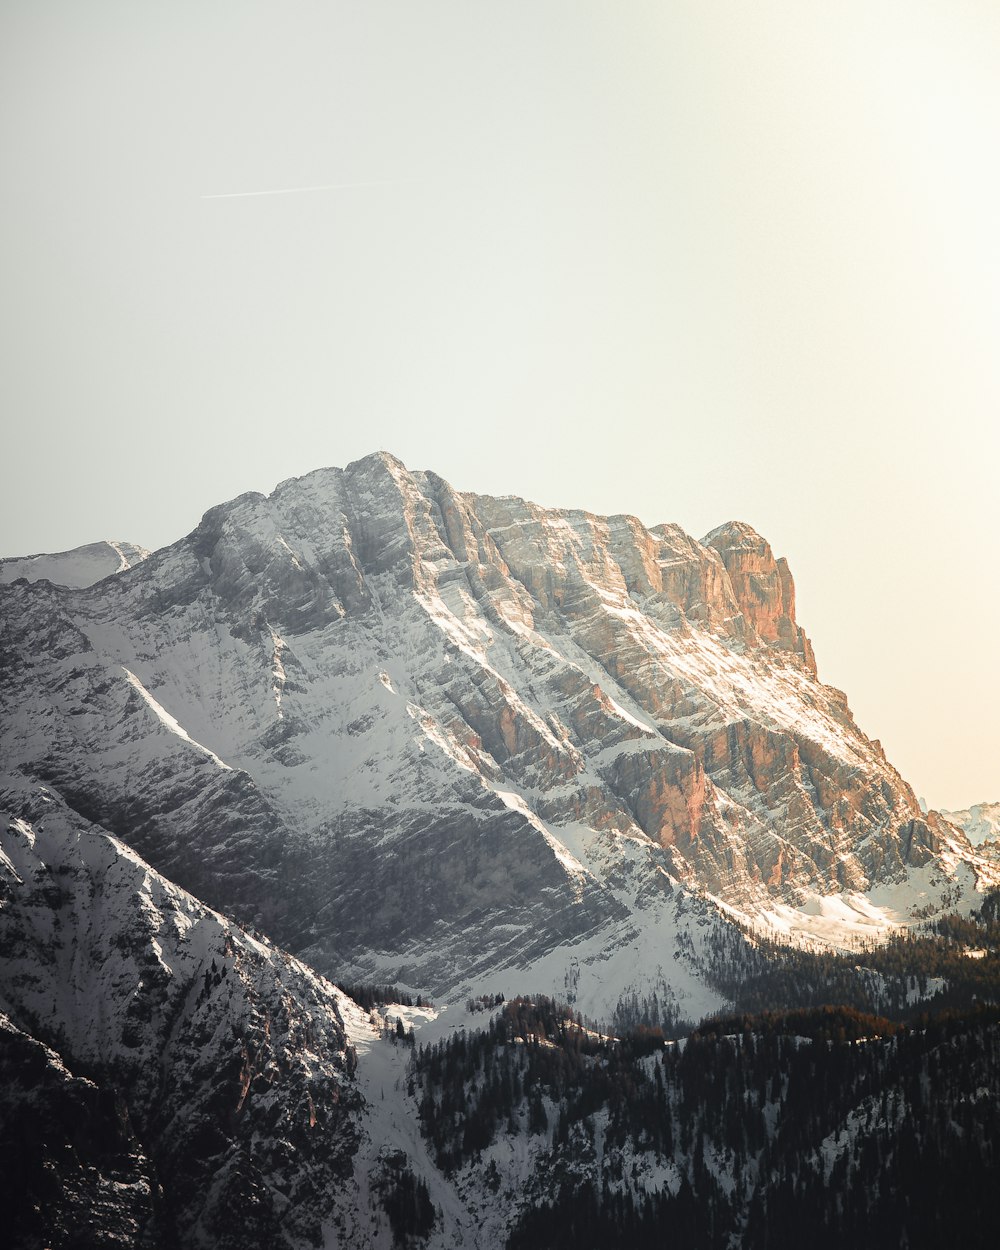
<point>427,735</point>
<point>763,588</point>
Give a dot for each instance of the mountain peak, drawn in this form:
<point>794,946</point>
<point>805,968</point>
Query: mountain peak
<point>980,822</point>
<point>763,587</point>
<point>731,535</point>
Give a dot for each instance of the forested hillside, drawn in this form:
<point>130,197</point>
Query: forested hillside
<point>763,1128</point>
<point>823,1124</point>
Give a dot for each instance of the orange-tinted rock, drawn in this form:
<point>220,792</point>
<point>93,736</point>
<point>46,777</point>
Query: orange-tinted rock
<point>763,587</point>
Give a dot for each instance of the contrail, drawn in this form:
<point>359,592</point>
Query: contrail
<point>327,186</point>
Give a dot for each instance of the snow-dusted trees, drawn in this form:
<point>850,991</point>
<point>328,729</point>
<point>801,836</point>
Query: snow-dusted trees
<point>775,1129</point>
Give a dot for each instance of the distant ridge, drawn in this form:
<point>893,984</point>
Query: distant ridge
<point>83,566</point>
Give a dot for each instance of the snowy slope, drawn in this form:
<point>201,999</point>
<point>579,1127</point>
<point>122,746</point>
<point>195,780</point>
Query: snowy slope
<point>169,1078</point>
<point>83,566</point>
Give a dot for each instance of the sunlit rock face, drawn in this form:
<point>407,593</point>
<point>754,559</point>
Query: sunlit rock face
<point>417,733</point>
<point>763,588</point>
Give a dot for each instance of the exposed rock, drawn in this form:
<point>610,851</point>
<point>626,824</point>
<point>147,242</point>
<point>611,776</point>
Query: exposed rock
<point>763,587</point>
<point>74,1173</point>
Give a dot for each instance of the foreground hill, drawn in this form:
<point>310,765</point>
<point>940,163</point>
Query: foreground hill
<point>168,1079</point>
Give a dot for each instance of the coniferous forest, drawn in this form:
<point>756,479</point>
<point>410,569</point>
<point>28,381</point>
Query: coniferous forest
<point>872,1121</point>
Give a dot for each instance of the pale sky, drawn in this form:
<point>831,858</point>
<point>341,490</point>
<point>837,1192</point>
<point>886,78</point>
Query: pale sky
<point>692,261</point>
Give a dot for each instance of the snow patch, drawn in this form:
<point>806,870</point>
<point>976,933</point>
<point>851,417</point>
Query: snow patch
<point>517,804</point>
<point>169,722</point>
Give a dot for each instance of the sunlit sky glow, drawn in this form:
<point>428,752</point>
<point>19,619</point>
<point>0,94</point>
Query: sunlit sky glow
<point>692,261</point>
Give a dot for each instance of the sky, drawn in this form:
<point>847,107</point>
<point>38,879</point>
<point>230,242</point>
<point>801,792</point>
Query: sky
<point>693,261</point>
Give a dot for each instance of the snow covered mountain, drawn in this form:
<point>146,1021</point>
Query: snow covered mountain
<point>458,741</point>
<point>980,822</point>
<point>83,566</point>
<point>473,745</point>
<point>168,1079</point>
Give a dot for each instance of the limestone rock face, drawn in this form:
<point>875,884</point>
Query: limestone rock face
<point>419,734</point>
<point>763,587</point>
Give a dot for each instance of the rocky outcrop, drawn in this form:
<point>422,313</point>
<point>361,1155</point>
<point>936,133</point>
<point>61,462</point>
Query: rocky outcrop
<point>762,586</point>
<point>74,1172</point>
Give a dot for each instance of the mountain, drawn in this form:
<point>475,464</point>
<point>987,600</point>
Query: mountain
<point>371,728</point>
<point>70,1160</point>
<point>459,741</point>
<point>980,823</point>
<point>824,1127</point>
<point>169,1079</point>
<point>83,566</point>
